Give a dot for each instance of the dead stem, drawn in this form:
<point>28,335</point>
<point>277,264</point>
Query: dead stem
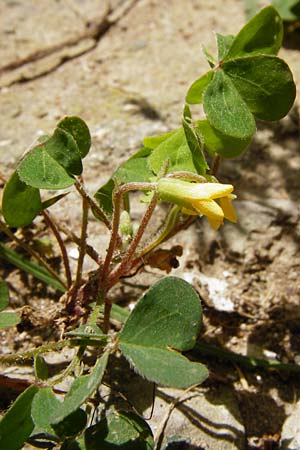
<point>51,223</point>
<point>83,237</point>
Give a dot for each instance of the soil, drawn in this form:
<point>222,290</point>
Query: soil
<point>124,67</point>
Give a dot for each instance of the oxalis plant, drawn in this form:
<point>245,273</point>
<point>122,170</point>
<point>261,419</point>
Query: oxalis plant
<point>246,81</point>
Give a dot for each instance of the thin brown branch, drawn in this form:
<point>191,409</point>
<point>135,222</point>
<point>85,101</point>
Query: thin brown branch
<point>52,225</point>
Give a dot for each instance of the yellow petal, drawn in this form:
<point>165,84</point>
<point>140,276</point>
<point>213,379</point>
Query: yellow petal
<point>208,191</point>
<point>228,210</point>
<point>215,224</point>
<point>209,208</point>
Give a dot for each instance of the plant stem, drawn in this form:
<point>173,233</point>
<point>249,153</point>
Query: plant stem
<point>90,251</point>
<point>83,237</point>
<point>32,252</point>
<point>94,206</point>
<point>11,359</point>
<point>183,174</point>
<point>124,265</point>
<point>50,222</point>
<point>216,165</point>
<point>116,220</point>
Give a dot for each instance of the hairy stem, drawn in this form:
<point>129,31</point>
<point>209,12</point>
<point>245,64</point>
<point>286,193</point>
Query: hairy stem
<point>125,264</point>
<point>13,358</point>
<point>90,251</point>
<point>117,197</point>
<point>94,206</point>
<point>51,223</point>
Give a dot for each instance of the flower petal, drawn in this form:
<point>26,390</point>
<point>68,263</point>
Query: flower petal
<point>209,208</point>
<point>228,209</point>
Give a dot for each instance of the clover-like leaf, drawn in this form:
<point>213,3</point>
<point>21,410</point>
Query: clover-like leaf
<point>63,148</point>
<point>38,169</point>
<point>7,318</point>
<point>261,35</point>
<point>80,132</point>
<point>217,142</point>
<point>136,168</point>
<point>225,108</point>
<point>166,320</point>
<point>121,430</point>
<point>195,93</point>
<point>288,9</point>
<point>174,151</point>
<point>265,83</point>
<point>20,202</point>
<point>195,146</point>
<point>224,43</point>
<point>16,425</point>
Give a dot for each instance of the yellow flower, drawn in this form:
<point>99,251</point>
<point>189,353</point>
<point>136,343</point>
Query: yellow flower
<point>212,200</point>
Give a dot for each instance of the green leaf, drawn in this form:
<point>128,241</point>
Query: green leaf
<point>216,142</point>
<point>40,368</point>
<point>9,319</point>
<point>167,317</point>
<point>82,388</point>
<point>265,83</point>
<point>71,425</point>
<point>30,267</point>
<point>153,141</point>
<point>89,335</point>
<point>288,9</point>
<point>226,110</point>
<point>195,147</point>
<point>261,35</point>
<point>122,430</point>
<point>176,151</point>
<point>44,406</point>
<point>196,90</point>
<point>224,43</point>
<point>38,169</point>
<point>63,148</point>
<point>51,201</point>
<point>135,168</point>
<point>80,132</point>
<point>210,59</point>
<point>165,367</point>
<point>20,203</point>
<point>17,425</point>
<point>4,295</point>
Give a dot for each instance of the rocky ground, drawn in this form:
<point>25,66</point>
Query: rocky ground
<point>124,67</point>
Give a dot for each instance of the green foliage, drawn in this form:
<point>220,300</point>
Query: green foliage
<point>7,319</point>
<point>17,424</point>
<point>288,9</point>
<point>167,319</point>
<point>20,202</point>
<point>247,81</point>
<point>9,255</point>
<point>123,430</point>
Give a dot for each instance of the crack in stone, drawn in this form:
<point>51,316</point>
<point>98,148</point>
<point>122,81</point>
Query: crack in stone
<point>66,50</point>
